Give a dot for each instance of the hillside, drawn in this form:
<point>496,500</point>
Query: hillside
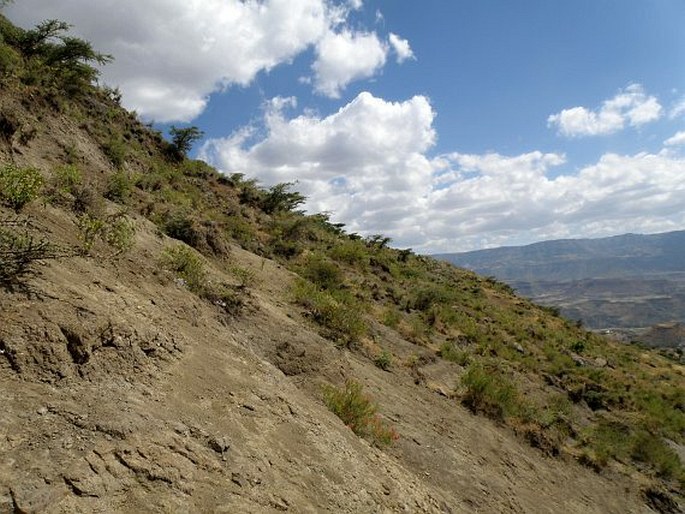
<point>630,282</point>
<point>173,339</point>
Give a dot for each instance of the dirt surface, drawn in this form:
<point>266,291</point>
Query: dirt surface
<point>126,393</point>
<point>122,391</point>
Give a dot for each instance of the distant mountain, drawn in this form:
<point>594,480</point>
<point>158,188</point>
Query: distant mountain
<point>629,281</point>
<point>627,255</point>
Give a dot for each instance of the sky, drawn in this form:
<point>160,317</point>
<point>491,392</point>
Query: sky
<point>447,125</point>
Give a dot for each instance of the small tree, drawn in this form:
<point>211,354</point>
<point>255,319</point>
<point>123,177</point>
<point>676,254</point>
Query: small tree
<point>182,139</point>
<point>279,198</point>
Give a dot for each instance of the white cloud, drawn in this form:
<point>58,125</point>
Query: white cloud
<point>678,109</point>
<point>344,57</point>
<point>630,106</point>
<point>172,54</point>
<point>369,165</point>
<point>676,140</point>
<point>493,199</point>
<point>365,163</point>
<point>401,47</point>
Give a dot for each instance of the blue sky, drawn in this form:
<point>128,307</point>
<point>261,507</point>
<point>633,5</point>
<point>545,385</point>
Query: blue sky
<point>447,125</point>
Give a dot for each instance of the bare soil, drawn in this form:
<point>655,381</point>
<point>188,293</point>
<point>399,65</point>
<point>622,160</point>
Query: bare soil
<point>122,391</point>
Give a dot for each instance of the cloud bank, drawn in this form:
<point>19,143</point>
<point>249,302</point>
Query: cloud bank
<point>172,54</point>
<point>370,164</point>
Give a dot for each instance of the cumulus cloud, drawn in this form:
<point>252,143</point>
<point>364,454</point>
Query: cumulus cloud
<point>172,54</point>
<point>630,106</point>
<point>401,48</point>
<point>344,57</point>
<point>676,140</point>
<point>366,163</point>
<point>493,199</point>
<point>370,165</point>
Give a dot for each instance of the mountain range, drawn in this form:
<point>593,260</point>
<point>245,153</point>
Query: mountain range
<point>627,283</point>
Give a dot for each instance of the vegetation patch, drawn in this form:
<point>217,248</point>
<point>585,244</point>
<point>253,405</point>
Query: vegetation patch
<point>338,313</point>
<point>21,251</point>
<point>358,411</point>
<point>19,186</point>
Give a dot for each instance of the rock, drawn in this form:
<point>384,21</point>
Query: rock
<point>519,348</point>
<point>238,480</point>
<point>29,497</point>
<point>578,359</point>
<point>601,362</point>
<point>220,444</point>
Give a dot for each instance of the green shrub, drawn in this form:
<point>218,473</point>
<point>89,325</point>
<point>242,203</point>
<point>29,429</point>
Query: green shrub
<point>19,186</point>
<point>383,360</point>
<point>180,225</point>
<point>90,229</point>
<point>322,272</point>
<point>391,317</point>
<point>490,391</point>
<point>358,412</point>
<point>339,314</point>
<point>115,150</point>
<point>653,451</point>
<point>245,276</point>
<point>119,186</point>
<point>354,253</point>
<point>186,265</point>
<point>223,296</point>
<point>67,178</point>
<point>9,60</point>
<point>87,200</point>
<point>115,230</point>
<point>119,234</point>
<point>450,352</point>
<point>427,297</point>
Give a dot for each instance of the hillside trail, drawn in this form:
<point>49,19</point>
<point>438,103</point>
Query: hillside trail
<point>121,391</point>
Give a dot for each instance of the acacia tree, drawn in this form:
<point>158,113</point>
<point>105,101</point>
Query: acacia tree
<point>182,139</point>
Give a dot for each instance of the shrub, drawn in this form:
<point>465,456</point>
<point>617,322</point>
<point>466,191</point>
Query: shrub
<point>358,412</point>
<point>115,230</point>
<point>119,233</point>
<point>652,450</point>
<point>450,352</point>
<point>391,317</point>
<point>119,187</point>
<point>67,178</point>
<point>64,184</point>
<point>180,225</point>
<point>320,271</point>
<point>339,314</point>
<point>383,360</point>
<point>115,150</point>
<point>245,276</point>
<point>90,228</point>
<point>223,296</point>
<point>9,60</point>
<point>18,186</point>
<point>186,265</point>
<point>87,200</point>
<point>489,391</point>
<point>20,251</point>
<point>354,253</point>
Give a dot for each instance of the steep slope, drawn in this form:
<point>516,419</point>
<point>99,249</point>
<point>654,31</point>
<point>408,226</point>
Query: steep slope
<point>170,339</point>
